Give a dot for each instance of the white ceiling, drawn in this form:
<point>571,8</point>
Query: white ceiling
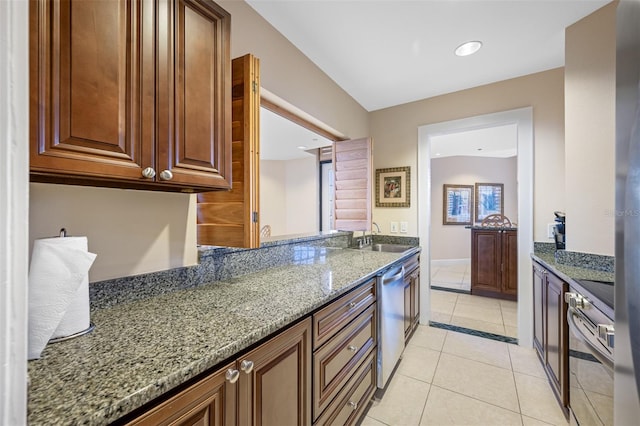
<point>498,141</point>
<point>389,52</point>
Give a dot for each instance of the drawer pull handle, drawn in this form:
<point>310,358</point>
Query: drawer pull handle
<point>353,405</point>
<point>232,375</point>
<point>352,305</point>
<point>246,366</point>
<point>353,348</point>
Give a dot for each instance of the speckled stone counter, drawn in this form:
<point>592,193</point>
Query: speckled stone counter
<point>143,347</point>
<point>572,266</point>
<point>585,270</point>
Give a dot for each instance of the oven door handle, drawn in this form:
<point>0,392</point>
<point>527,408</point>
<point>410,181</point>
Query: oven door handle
<point>601,356</point>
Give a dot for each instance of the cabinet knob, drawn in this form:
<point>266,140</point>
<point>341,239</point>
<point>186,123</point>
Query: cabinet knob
<point>352,348</point>
<point>166,175</point>
<point>353,405</point>
<point>149,173</point>
<point>246,366</point>
<point>232,375</point>
<point>352,305</point>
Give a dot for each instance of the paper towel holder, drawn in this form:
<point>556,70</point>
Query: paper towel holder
<point>71,336</point>
<point>63,234</point>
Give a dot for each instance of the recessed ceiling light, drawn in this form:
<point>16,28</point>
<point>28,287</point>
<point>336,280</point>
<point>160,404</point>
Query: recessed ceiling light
<point>437,154</point>
<point>468,48</point>
<point>302,147</point>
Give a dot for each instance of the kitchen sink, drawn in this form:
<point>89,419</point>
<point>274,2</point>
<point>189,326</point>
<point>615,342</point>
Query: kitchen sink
<point>392,248</point>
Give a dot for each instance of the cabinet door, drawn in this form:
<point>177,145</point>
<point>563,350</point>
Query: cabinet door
<point>415,297</point>
<point>407,307</point>
<point>277,389</point>
<point>92,89</point>
<point>486,260</point>
<point>209,402</point>
<point>194,94</point>
<point>556,338</point>
<point>539,283</point>
<point>510,263</point>
<point>411,302</point>
<point>230,218</point>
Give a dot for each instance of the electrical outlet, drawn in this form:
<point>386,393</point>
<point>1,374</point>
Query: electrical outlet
<point>394,227</point>
<point>550,227</point>
<point>404,227</point>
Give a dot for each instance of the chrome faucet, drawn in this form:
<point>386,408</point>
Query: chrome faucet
<point>377,227</point>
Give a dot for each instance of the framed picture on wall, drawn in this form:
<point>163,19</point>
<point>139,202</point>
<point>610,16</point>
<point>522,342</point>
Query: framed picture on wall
<point>489,200</point>
<point>457,204</point>
<point>393,187</point>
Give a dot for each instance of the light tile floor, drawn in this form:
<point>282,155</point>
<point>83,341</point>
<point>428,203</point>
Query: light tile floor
<point>476,312</point>
<point>453,275</point>
<point>450,378</point>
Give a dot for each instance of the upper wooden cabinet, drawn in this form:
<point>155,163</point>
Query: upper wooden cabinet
<point>132,94</point>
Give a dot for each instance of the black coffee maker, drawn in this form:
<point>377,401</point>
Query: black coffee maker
<point>559,230</point>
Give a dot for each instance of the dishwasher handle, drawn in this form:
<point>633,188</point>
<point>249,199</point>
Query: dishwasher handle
<point>604,358</point>
<point>386,279</point>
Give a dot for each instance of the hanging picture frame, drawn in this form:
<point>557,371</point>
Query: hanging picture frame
<point>393,187</point>
<point>488,200</point>
<point>457,204</point>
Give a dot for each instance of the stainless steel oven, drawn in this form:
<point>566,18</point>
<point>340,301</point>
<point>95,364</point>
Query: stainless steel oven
<point>591,348</point>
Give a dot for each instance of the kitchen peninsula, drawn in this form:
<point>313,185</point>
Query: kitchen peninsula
<point>156,336</point>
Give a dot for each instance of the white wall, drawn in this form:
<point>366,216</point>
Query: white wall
<point>132,232</point>
<point>590,132</point>
<point>289,198</point>
<point>273,198</point>
<point>454,241</point>
<point>395,135</point>
<point>303,197</point>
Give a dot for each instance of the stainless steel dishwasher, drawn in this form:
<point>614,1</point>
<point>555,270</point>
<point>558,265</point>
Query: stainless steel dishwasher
<point>390,288</point>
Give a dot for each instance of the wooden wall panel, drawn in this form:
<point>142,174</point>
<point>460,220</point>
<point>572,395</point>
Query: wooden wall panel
<point>227,218</point>
<point>352,163</point>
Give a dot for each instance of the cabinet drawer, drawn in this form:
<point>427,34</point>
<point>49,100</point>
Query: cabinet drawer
<point>329,320</point>
<point>352,400</point>
<point>411,264</point>
<point>334,363</point>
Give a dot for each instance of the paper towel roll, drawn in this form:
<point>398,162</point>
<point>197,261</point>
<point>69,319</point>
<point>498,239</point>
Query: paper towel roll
<point>58,290</point>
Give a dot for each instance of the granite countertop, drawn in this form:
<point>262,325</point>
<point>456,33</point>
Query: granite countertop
<point>141,349</point>
<point>570,272</point>
<point>583,267</point>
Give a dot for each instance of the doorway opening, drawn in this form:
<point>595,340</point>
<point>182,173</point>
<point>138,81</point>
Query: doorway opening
<point>523,122</point>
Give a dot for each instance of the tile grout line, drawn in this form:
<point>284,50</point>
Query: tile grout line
<point>435,370</point>
<point>515,385</point>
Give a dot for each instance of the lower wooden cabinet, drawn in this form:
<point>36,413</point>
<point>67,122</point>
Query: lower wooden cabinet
<point>270,385</point>
<point>494,262</point>
<point>275,380</point>
<point>211,401</point>
<point>550,330</point>
<point>411,296</point>
<point>344,357</point>
<point>349,404</point>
